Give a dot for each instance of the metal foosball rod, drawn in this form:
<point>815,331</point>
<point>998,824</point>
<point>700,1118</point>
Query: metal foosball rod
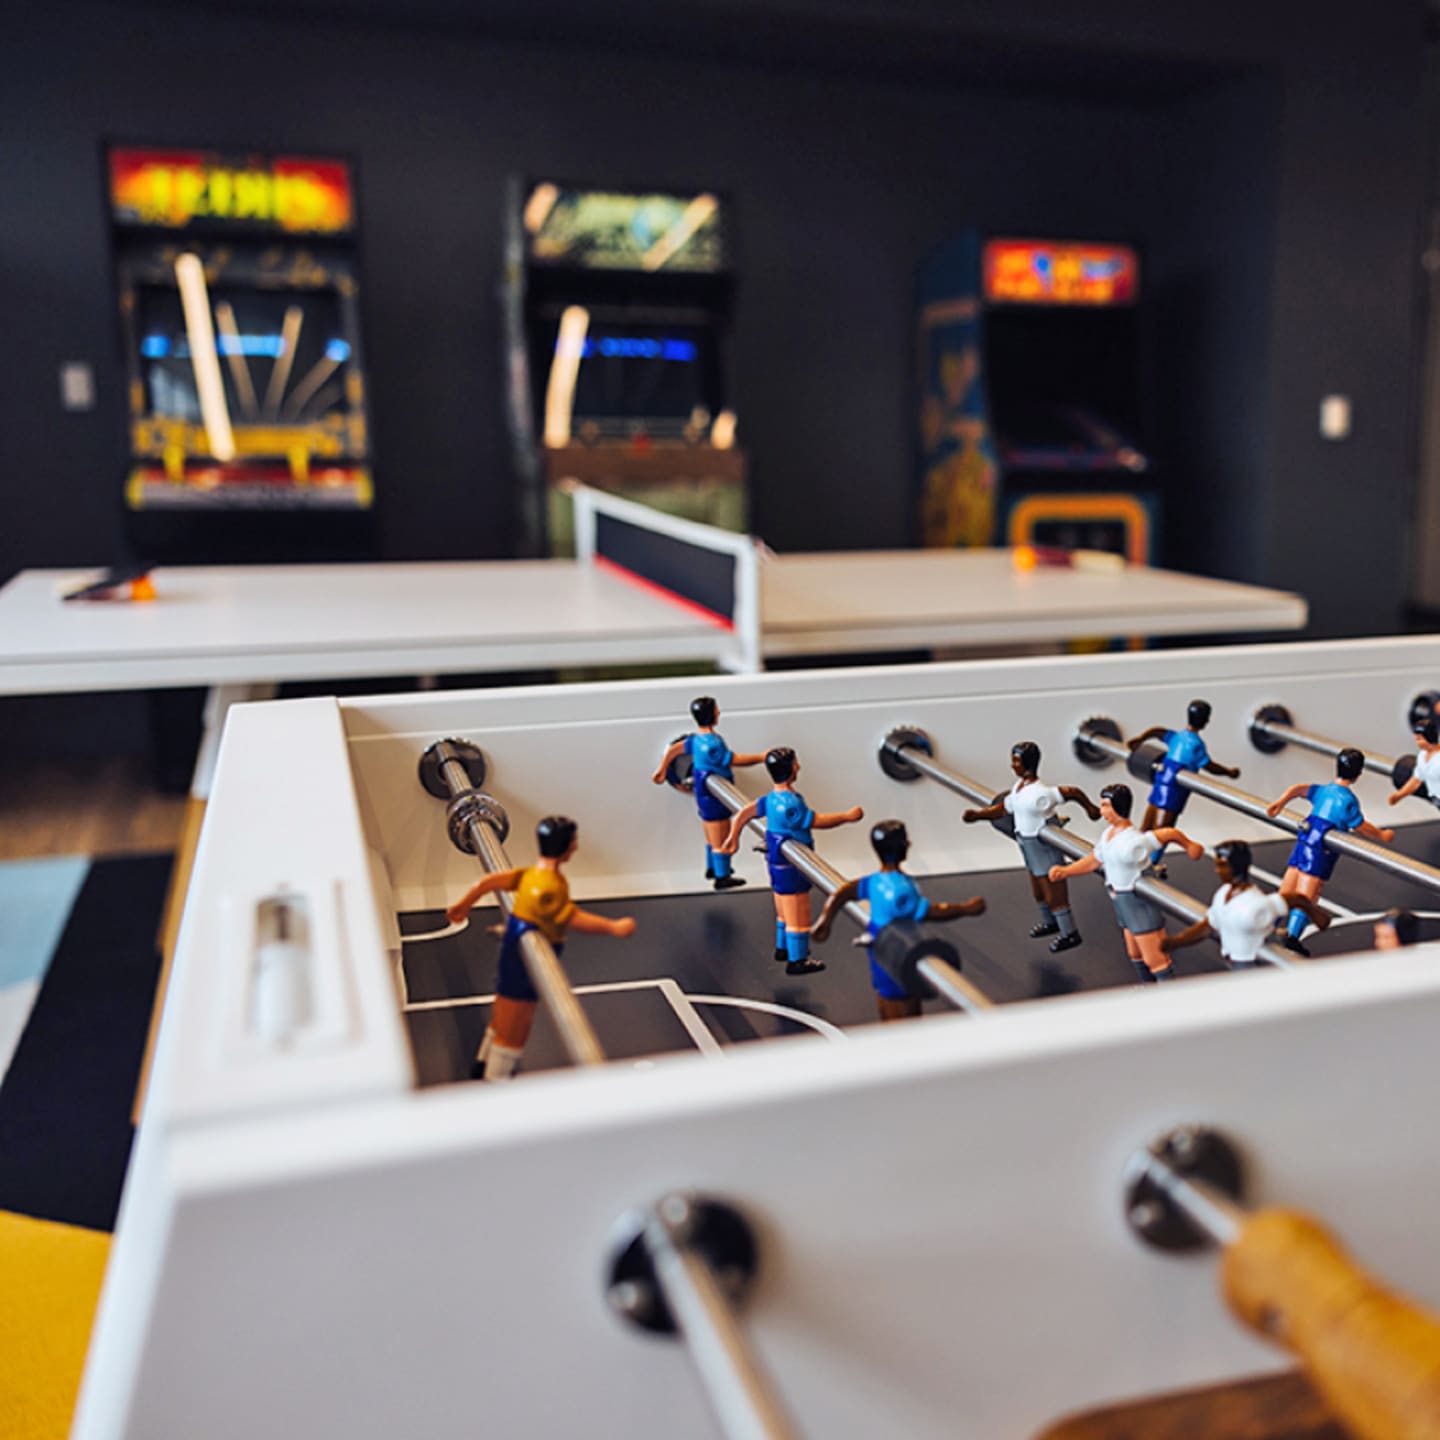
<point>906,949</point>
<point>910,749</point>
<point>1372,1355</point>
<point>682,1267</point>
<point>1099,739</point>
<point>478,824</point>
<point>1272,728</point>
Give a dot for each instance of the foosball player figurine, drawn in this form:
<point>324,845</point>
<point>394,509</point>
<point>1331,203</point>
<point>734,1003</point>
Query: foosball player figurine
<point>788,817</point>
<point>1396,928</point>
<point>1032,804</point>
<point>1332,807</point>
<point>1427,763</point>
<point>1184,750</point>
<point>892,896</point>
<point>542,902</point>
<point>1122,852</point>
<point>709,755</point>
<point>1241,915</point>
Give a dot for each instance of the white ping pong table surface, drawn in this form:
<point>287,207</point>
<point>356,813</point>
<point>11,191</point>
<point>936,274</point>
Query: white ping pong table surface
<point>257,624</point>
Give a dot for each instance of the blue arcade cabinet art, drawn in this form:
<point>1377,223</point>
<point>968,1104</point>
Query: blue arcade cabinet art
<point>1031,397</point>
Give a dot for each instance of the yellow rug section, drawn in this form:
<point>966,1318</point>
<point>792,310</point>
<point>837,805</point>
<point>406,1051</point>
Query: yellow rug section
<point>49,1284</point>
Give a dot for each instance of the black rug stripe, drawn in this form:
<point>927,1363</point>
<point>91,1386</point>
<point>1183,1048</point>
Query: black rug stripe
<point>65,1102</point>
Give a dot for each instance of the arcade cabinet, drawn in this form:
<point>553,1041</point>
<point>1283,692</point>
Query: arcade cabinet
<point>238,287</point>
<point>1031,398</point>
<point>616,308</point>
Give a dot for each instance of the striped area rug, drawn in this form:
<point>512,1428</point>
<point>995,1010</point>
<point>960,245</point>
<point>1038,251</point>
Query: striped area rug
<point>78,967</point>
<point>36,897</point>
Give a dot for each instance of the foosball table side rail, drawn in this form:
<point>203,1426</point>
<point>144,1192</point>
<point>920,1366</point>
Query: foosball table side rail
<point>639,838</point>
<point>940,1213</point>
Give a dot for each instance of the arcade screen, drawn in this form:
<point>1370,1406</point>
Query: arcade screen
<point>645,231</point>
<point>631,372</point>
<point>1062,349</point>
<point>1065,384</point>
<point>283,354</point>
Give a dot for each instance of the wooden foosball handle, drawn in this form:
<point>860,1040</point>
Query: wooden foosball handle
<point>1374,1356</point>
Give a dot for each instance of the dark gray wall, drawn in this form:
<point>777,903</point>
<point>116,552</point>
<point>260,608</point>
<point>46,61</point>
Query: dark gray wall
<point>1267,157</point>
<point>839,186</point>
<point>1211,328</point>
<point>1346,279</point>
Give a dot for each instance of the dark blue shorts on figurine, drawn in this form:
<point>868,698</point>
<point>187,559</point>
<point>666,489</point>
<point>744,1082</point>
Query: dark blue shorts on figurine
<point>785,879</point>
<point>512,979</point>
<point>709,807</point>
<point>1310,857</point>
<point>1166,792</point>
<point>886,987</point>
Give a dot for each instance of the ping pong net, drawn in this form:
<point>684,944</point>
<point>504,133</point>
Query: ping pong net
<point>712,574</point>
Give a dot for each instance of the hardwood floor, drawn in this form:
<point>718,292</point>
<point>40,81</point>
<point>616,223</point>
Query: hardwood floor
<point>109,807</point>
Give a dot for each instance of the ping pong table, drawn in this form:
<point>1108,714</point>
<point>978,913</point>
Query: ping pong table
<point>645,588</point>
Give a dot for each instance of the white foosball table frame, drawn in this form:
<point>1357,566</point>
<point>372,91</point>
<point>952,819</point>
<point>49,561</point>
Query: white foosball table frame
<point>310,1245</point>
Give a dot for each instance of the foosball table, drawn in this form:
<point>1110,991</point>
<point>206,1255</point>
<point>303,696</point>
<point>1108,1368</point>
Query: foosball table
<point>714,1195</point>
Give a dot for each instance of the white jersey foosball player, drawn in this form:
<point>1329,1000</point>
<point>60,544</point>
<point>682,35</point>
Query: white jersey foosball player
<point>1122,852</point>
<point>1241,915</point>
<point>1031,806</point>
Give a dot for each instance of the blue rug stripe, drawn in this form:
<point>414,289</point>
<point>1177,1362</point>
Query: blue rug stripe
<point>65,1103</point>
<point>36,897</point>
<point>16,1003</point>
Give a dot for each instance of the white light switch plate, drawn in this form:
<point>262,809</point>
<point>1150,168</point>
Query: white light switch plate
<point>77,386</point>
<point>1335,417</point>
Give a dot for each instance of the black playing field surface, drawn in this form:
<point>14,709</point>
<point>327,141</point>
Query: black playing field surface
<point>698,972</point>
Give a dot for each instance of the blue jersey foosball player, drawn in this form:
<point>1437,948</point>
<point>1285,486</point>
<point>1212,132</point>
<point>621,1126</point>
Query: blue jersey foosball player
<point>1332,807</point>
<point>1184,750</point>
<point>892,897</point>
<point>788,818</point>
<point>708,755</point>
